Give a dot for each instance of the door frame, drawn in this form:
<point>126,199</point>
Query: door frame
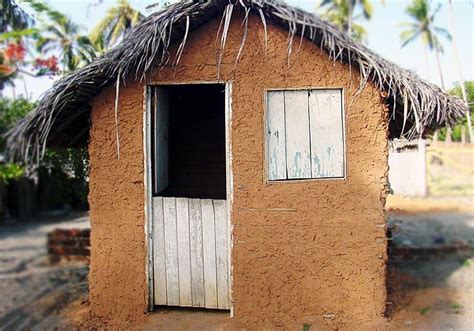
<point>147,150</point>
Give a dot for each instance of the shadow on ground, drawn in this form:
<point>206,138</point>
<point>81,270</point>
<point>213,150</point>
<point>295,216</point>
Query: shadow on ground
<point>430,286</point>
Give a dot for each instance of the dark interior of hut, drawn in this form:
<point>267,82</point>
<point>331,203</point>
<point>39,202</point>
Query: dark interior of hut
<point>196,145</point>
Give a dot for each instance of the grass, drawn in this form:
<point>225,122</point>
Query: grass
<point>306,326</point>
<point>465,263</point>
<point>456,306</point>
<point>424,310</point>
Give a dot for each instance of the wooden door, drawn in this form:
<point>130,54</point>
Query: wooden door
<point>191,252</point>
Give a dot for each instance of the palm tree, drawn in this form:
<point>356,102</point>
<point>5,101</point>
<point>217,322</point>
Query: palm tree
<point>61,33</point>
<point>341,14</point>
<point>75,49</point>
<point>422,27</point>
<point>117,22</point>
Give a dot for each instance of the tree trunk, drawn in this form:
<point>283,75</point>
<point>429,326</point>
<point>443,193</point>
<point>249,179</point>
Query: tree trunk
<point>425,49</point>
<point>25,86</point>
<point>459,67</point>
<point>349,18</point>
<point>440,70</point>
<point>13,92</point>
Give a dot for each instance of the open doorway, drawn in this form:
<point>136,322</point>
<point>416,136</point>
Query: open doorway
<point>189,141</point>
<point>189,216</point>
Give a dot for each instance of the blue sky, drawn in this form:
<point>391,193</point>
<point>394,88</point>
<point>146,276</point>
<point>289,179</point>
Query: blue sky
<point>383,35</point>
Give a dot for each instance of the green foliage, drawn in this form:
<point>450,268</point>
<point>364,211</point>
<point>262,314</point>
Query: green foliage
<point>456,306</point>
<point>469,86</point>
<point>465,263</point>
<point>62,173</point>
<point>115,25</point>
<point>10,112</point>
<point>342,12</point>
<point>19,34</point>
<point>421,26</point>
<point>63,178</point>
<point>60,34</point>
<point>9,171</point>
<point>424,310</point>
<point>457,129</point>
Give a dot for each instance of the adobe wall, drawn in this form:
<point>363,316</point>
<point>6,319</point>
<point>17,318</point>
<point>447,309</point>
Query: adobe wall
<point>308,251</point>
<point>117,279</point>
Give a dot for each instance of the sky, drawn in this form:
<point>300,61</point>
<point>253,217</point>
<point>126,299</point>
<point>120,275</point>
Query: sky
<point>383,36</point>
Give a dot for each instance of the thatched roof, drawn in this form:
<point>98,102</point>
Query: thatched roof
<point>62,116</point>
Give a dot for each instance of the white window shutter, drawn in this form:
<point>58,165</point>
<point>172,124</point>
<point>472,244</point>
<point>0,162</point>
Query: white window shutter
<point>305,134</point>
<point>275,135</point>
<point>298,149</point>
<point>327,143</point>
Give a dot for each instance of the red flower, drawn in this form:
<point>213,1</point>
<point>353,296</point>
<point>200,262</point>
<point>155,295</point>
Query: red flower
<point>15,52</point>
<point>50,64</point>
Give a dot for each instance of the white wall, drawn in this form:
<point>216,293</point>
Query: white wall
<point>407,168</point>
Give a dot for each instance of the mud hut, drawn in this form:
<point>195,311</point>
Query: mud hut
<point>238,161</point>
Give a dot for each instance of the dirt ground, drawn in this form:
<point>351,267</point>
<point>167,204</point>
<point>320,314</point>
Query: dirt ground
<point>32,290</point>
<point>435,293</point>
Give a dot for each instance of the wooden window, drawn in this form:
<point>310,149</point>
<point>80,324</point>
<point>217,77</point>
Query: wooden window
<point>305,134</point>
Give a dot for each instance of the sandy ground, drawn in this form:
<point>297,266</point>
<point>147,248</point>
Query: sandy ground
<point>432,294</point>
<point>435,293</point>
<point>32,289</point>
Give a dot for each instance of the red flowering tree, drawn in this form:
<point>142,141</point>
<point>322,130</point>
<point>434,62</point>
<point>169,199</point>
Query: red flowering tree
<point>14,60</point>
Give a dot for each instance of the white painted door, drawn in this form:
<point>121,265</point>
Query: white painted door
<point>191,252</point>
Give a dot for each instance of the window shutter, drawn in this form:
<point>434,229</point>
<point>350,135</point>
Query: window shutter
<point>305,134</point>
<point>298,149</point>
<point>276,155</point>
<point>327,143</point>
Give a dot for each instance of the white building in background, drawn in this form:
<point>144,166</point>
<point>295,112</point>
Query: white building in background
<point>407,167</point>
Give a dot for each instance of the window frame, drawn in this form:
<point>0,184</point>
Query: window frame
<point>266,179</point>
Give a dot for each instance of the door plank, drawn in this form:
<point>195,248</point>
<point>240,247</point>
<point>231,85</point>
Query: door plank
<point>184,257</point>
<point>159,264</point>
<point>197,268</point>
<point>222,253</point>
<point>209,250</point>
<point>298,151</point>
<point>171,251</point>
<point>275,136</point>
<point>327,144</point>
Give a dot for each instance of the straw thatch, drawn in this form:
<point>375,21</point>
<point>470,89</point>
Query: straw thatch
<point>62,116</point>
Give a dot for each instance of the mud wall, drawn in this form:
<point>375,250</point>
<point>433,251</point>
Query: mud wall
<point>306,251</point>
<point>117,279</point>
